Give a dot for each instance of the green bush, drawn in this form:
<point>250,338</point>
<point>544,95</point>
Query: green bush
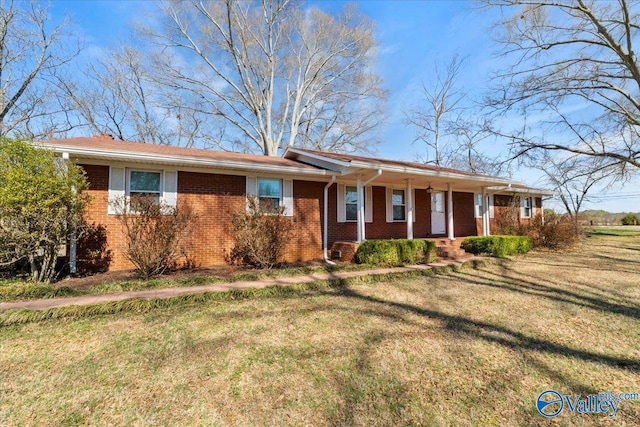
<point>396,252</point>
<point>630,219</point>
<point>498,246</point>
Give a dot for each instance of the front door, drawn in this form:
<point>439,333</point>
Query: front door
<point>438,224</point>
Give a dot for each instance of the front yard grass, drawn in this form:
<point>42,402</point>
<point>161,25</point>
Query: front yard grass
<point>471,347</point>
<point>19,290</point>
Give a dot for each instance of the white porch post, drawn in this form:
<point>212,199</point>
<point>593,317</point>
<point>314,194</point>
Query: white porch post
<point>409,210</point>
<point>485,212</point>
<point>360,206</point>
<point>450,212</point>
<point>73,243</point>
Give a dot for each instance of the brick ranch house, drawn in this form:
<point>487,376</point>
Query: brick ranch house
<point>331,198</point>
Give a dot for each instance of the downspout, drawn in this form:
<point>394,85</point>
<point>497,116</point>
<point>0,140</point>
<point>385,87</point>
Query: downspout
<point>325,222</point>
<point>364,184</point>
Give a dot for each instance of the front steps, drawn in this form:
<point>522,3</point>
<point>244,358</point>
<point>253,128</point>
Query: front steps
<point>450,249</point>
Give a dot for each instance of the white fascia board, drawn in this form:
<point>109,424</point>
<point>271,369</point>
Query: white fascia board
<point>339,163</point>
<point>127,156</point>
<point>521,189</point>
<point>436,174</point>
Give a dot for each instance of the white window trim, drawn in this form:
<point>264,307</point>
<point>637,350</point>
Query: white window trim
<point>341,201</point>
<point>478,211</point>
<point>389,204</point>
<point>128,180</point>
<point>286,191</point>
<point>120,186</point>
<point>522,207</point>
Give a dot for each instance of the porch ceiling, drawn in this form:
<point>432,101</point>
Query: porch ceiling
<point>420,181</point>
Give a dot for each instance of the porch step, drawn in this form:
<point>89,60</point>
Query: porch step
<point>449,249</point>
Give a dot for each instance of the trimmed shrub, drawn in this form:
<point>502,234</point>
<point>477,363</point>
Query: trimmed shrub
<point>498,246</point>
<point>396,252</point>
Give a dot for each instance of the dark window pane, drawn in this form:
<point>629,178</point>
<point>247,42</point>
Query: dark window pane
<point>145,181</point>
<point>398,213</point>
<point>352,212</point>
<point>269,204</point>
<point>269,188</point>
<point>351,195</point>
<point>398,197</point>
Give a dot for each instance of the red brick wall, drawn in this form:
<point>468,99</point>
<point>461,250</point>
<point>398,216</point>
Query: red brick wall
<point>502,203</point>
<point>216,197</point>
<point>213,197</point>
<point>464,222</point>
<point>307,218</point>
<point>96,215</point>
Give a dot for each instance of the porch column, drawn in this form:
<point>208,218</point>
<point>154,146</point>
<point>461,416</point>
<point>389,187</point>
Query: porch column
<point>450,212</point>
<point>73,242</point>
<point>409,210</point>
<point>485,212</point>
<point>360,206</point>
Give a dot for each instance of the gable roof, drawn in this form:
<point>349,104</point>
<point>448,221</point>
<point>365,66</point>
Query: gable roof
<point>396,171</point>
<point>104,147</point>
<point>295,161</point>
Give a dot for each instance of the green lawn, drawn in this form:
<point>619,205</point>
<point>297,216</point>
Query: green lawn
<point>620,230</point>
<point>473,347</point>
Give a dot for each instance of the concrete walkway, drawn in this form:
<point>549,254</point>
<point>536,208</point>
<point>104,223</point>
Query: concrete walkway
<point>43,304</point>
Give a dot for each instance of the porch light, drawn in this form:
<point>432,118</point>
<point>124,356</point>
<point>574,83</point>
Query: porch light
<point>429,189</point>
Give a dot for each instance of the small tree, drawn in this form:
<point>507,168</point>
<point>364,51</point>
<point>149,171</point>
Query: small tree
<point>155,233</point>
<point>261,234</point>
<point>630,219</point>
<point>40,202</point>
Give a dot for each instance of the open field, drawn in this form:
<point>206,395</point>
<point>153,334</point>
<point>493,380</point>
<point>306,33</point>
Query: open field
<point>473,347</point>
<point>620,230</point>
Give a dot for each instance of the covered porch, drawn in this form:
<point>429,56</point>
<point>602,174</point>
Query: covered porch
<point>386,199</point>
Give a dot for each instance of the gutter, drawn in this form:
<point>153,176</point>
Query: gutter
<point>325,222</point>
<point>430,173</point>
<point>181,161</point>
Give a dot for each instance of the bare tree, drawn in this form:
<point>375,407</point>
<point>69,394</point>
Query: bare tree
<point>32,52</point>
<point>279,75</point>
<point>469,133</point>
<point>574,177</point>
<point>437,110</point>
<point>121,96</point>
<point>573,77</point>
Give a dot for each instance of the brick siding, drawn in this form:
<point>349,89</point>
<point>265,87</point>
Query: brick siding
<point>214,198</point>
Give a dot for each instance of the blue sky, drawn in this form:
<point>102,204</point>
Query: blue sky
<point>413,36</point>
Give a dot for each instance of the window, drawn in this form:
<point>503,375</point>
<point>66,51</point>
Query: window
<point>351,203</point>
<point>272,193</point>
<point>480,207</point>
<point>398,202</point>
<point>347,203</point>
<point>126,184</point>
<point>526,207</point>
<point>144,184</point>
<point>269,193</point>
